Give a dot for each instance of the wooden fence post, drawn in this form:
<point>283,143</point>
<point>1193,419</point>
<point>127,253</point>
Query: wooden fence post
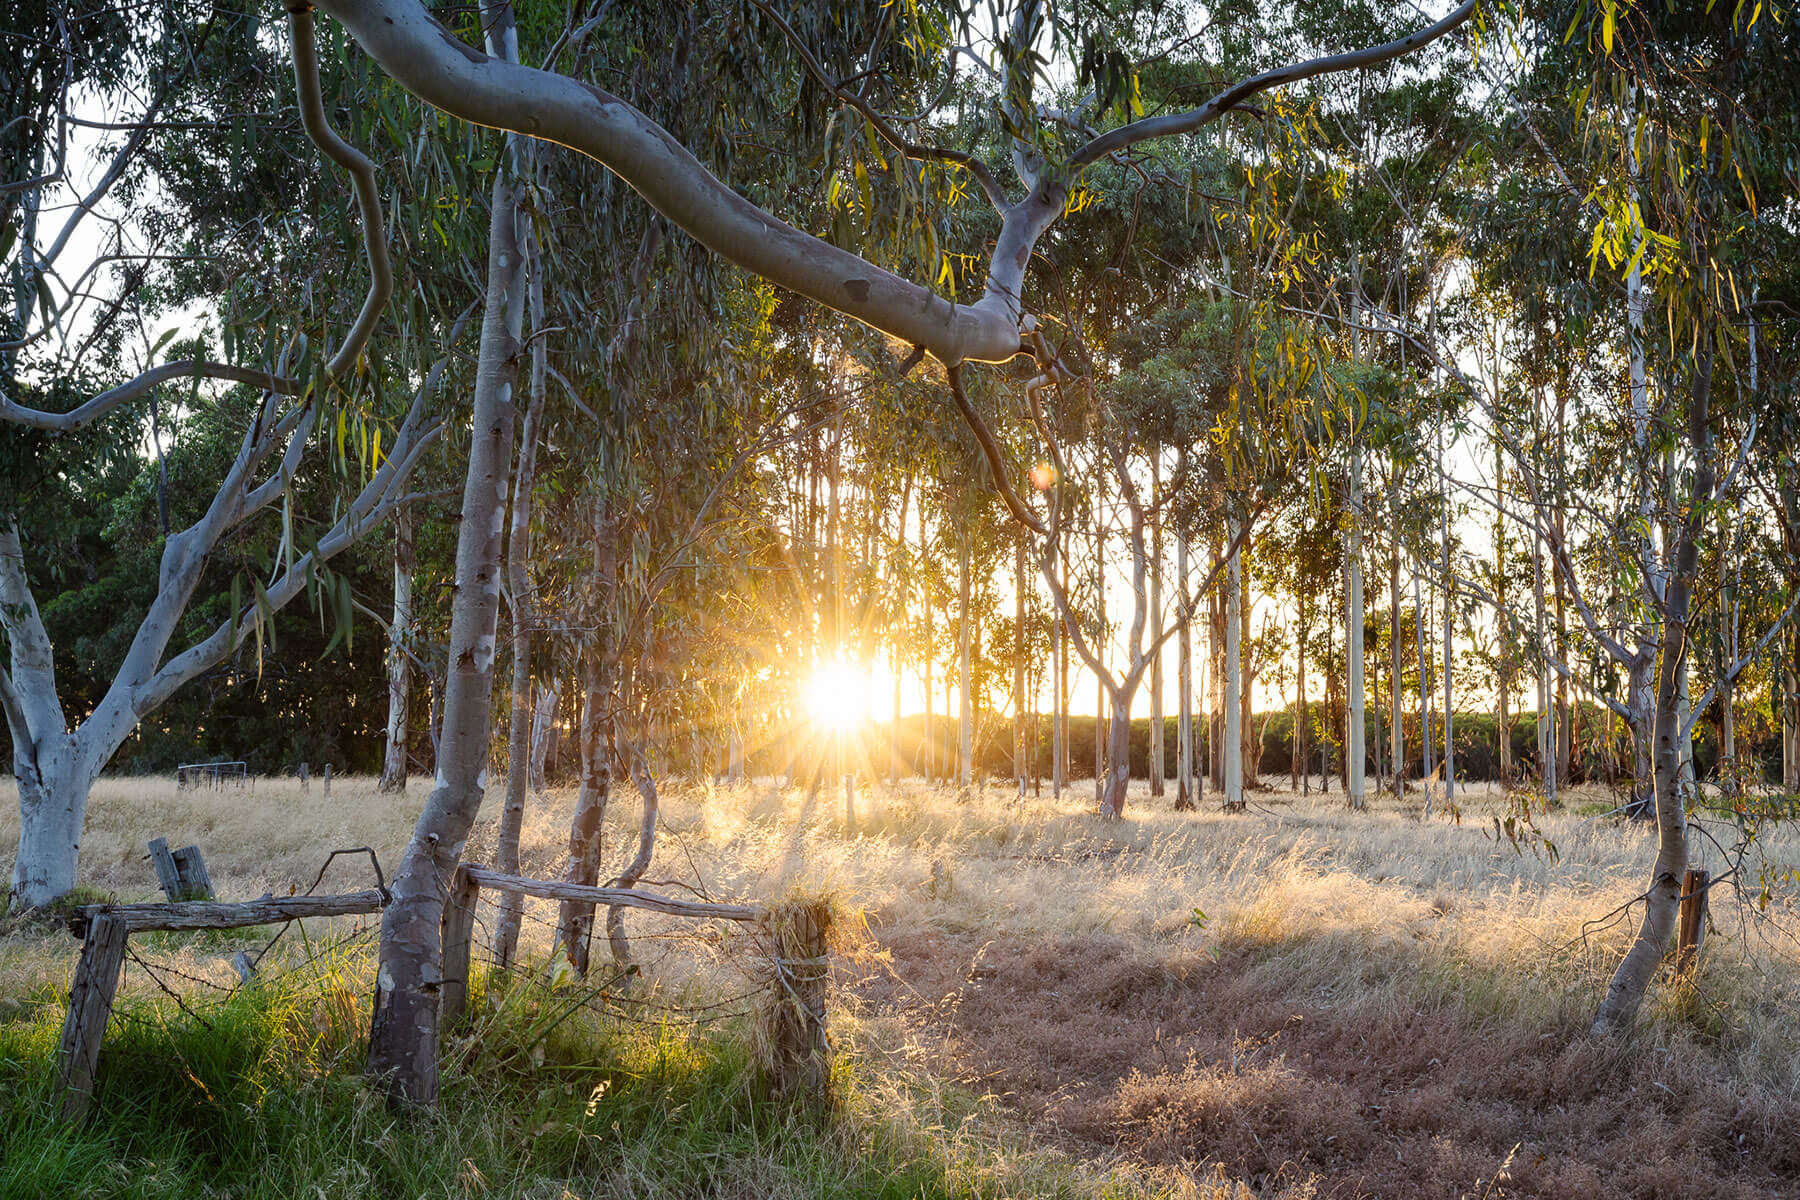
<point>458,932</point>
<point>190,870</point>
<point>304,785</point>
<point>167,873</point>
<point>327,778</point>
<point>1692,933</point>
<point>90,1005</point>
<point>794,1034</point>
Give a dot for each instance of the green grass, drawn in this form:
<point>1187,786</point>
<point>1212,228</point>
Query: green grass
<point>261,1095</point>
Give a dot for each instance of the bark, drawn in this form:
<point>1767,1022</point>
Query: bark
<point>1019,700</point>
<point>1449,629</point>
<point>404,1032</point>
<point>640,860</point>
<point>925,661</point>
<point>575,920</point>
<point>1100,640</point>
<point>1396,666</point>
<point>543,726</point>
<point>965,711</point>
<point>1356,716</point>
<point>1118,758</point>
<point>1184,687</point>
<point>400,634</point>
<point>1233,766</point>
<point>524,616</point>
<point>1302,713</point>
<point>1663,899</point>
<point>1156,661</point>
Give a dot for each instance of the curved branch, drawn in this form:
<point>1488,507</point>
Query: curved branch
<point>1236,94</point>
<point>991,448</point>
<point>432,63</point>
<point>362,173</point>
<point>107,401</point>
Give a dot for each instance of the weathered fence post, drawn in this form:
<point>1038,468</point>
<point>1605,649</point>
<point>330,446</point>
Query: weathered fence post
<point>794,1038</point>
<point>305,785</point>
<point>90,1005</point>
<point>458,932</point>
<point>190,870</point>
<point>167,873</point>
<point>1692,934</point>
<point>327,779</point>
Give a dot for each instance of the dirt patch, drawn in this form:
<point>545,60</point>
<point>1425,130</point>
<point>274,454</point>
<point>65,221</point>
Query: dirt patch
<point>1201,1063</point>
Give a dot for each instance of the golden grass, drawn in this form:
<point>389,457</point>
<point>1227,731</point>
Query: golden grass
<point>1356,908</point>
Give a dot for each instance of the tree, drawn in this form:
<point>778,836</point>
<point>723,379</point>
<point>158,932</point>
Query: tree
<point>56,765</point>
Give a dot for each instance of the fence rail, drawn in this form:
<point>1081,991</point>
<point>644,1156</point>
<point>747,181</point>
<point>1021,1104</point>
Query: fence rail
<point>797,934</point>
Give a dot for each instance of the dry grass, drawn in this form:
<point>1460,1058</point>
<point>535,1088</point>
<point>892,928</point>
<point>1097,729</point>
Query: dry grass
<point>1280,998</point>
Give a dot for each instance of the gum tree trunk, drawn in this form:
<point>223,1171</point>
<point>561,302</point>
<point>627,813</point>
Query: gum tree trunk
<point>524,616</point>
<point>1663,899</point>
<point>404,1032</point>
<point>543,721</point>
<point>575,921</point>
<point>1355,712</point>
<point>965,703</point>
<point>1156,662</point>
<point>1185,799</point>
<point>394,762</point>
<point>1232,770</point>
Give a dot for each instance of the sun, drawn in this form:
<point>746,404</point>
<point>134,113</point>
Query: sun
<point>837,695</point>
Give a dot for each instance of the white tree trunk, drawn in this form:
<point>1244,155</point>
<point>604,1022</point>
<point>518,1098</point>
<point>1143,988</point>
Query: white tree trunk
<point>543,720</point>
<point>1233,741</point>
<point>1184,686</point>
<point>404,1032</point>
<point>1156,641</point>
<point>53,796</point>
<point>965,712</point>
<point>1355,714</point>
<point>1396,664</point>
<point>400,635</point>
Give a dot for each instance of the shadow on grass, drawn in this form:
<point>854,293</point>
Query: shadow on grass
<point>260,1095</point>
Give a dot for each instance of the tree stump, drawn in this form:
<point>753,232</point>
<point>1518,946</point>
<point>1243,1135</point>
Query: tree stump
<point>90,1006</point>
<point>1692,928</point>
<point>794,1049</point>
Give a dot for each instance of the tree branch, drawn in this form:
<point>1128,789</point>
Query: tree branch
<point>1231,97</point>
<point>108,401</point>
<point>362,174</point>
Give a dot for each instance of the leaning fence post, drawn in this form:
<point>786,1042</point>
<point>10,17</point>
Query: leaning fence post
<point>1692,929</point>
<point>458,932</point>
<point>168,874</point>
<point>796,1046</point>
<point>90,1005</point>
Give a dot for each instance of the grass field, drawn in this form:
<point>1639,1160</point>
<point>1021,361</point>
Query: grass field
<point>1294,1001</point>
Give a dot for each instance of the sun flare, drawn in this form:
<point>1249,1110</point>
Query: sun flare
<point>838,695</point>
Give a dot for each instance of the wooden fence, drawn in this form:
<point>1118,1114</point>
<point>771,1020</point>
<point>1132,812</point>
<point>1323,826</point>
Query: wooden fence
<point>798,935</point>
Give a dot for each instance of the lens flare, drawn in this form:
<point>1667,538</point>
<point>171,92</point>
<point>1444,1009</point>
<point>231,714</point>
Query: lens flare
<point>838,695</point>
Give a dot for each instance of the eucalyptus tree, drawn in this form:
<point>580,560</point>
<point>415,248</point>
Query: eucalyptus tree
<point>293,395</point>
